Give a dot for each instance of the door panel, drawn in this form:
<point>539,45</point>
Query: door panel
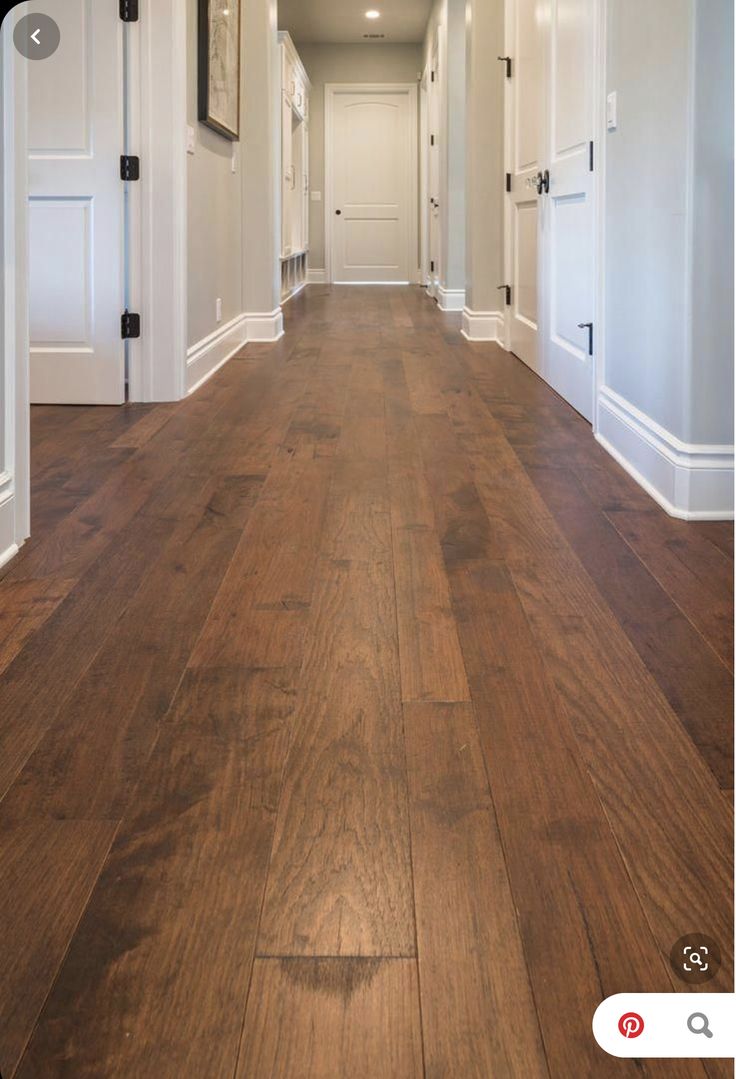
<point>435,230</point>
<point>372,177</point>
<point>568,209</point>
<point>77,208</point>
<point>527,142</point>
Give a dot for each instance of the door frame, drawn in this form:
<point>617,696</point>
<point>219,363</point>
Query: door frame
<point>424,178</point>
<point>15,484</point>
<point>600,134</point>
<point>332,89</point>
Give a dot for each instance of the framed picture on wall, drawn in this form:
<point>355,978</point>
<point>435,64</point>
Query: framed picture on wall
<point>219,66</point>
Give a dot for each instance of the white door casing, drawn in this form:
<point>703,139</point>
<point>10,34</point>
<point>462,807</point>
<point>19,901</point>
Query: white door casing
<point>371,183</point>
<point>435,132</point>
<point>76,210</point>
<point>551,233</point>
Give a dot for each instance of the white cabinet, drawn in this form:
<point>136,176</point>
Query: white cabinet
<point>295,88</point>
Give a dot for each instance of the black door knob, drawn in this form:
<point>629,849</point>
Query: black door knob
<point>338,212</point>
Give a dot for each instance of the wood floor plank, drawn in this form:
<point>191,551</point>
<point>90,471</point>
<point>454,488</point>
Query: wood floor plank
<point>88,762</point>
<point>47,870</point>
<point>478,1014</point>
<point>24,607</point>
<point>156,980</point>
<point>340,876</point>
<point>325,1018</point>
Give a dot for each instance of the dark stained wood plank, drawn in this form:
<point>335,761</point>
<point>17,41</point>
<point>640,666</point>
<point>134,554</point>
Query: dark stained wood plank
<point>570,885</point>
<point>698,686</point>
<point>47,870</point>
<point>88,762</point>
<point>695,574</point>
<point>156,980</point>
<point>145,428</point>
<point>24,607</point>
<point>340,876</point>
<point>478,1012</point>
<point>332,1017</point>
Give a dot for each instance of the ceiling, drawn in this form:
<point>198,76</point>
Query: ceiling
<point>333,21</point>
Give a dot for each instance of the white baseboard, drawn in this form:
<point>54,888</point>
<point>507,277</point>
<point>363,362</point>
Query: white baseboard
<point>690,481</point>
<point>266,327</point>
<point>209,354</point>
<point>450,299</point>
<point>214,350</point>
<point>316,277</point>
<point>9,545</point>
<point>483,325</point>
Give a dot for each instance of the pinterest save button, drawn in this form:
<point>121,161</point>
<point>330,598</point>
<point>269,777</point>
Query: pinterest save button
<point>667,1025</point>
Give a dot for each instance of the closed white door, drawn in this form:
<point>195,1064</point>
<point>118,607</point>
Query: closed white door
<point>527,47</point>
<point>76,137</point>
<point>372,162</point>
<point>435,126</point>
<point>551,202</point>
<point>569,221</point>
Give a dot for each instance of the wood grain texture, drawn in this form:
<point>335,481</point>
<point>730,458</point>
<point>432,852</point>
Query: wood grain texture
<point>156,980</point>
<point>478,1012</point>
<point>326,1018</point>
<point>47,870</point>
<point>311,875</point>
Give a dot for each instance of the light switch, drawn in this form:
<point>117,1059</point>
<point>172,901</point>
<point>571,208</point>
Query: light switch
<point>612,111</point>
<point>316,196</point>
<point>191,139</point>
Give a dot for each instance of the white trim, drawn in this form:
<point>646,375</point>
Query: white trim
<point>6,555</point>
<point>316,277</point>
<point>690,481</point>
<point>158,222</point>
<point>600,145</point>
<point>450,299</point>
<point>484,326</point>
<point>331,90</point>
<point>214,350</point>
<point>268,327</point>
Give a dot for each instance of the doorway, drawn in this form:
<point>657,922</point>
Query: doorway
<point>371,175</point>
<point>550,205</point>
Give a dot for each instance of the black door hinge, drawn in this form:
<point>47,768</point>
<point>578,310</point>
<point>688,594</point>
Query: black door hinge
<point>130,325</point>
<point>508,181</point>
<point>591,158</point>
<point>129,10</point>
<point>431,140</point>
<point>433,76</point>
<point>130,167</point>
<point>431,266</point>
<point>589,327</point>
<point>507,61</point>
<point>507,290</point>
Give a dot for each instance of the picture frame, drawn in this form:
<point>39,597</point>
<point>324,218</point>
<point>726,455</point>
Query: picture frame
<point>219,74</point>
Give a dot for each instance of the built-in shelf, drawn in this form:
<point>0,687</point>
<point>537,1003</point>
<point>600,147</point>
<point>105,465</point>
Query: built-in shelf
<point>295,87</point>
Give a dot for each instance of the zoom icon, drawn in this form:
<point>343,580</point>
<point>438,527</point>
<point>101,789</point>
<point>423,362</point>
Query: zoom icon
<point>695,958</point>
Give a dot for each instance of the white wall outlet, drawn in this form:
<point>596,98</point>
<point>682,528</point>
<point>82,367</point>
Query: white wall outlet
<point>218,309</point>
<point>612,111</point>
<point>316,196</point>
<point>191,139</point>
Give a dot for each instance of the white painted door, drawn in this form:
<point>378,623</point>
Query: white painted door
<point>551,207</point>
<point>435,127</point>
<point>372,162</point>
<point>569,221</point>
<point>76,208</point>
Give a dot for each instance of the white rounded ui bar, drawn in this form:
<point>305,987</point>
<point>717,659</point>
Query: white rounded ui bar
<point>667,1025</point>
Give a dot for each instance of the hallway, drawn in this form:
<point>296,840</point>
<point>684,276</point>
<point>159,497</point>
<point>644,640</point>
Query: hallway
<point>359,714</point>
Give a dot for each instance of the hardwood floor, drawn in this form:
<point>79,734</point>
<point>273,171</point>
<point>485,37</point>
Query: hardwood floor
<point>359,716</point>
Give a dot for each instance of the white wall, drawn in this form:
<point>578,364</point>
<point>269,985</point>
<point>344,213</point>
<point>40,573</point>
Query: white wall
<point>369,63</point>
<point>666,408</point>
<point>14,407</point>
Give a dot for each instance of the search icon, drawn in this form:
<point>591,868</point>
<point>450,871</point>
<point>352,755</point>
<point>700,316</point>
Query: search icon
<point>699,1024</point>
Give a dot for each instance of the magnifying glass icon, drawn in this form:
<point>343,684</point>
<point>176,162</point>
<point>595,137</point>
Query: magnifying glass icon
<point>698,1023</point>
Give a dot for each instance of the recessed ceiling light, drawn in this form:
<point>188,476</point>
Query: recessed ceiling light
<point>373,14</point>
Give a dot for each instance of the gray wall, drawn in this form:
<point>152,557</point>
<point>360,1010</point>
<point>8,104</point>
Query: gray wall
<point>668,322</point>
<point>344,63</point>
<point>214,214</point>
<point>484,154</point>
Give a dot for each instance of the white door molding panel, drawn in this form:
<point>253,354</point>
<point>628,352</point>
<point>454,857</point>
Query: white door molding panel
<point>371,171</point>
